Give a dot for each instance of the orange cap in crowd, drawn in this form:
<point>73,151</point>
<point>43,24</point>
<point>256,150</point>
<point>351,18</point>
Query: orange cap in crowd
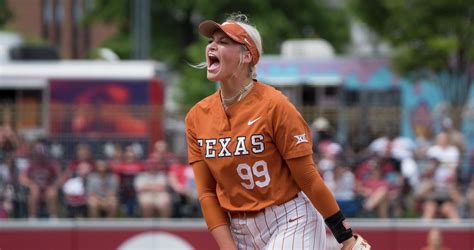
<point>235,32</point>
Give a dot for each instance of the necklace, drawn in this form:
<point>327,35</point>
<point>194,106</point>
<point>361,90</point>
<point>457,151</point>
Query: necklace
<point>228,101</point>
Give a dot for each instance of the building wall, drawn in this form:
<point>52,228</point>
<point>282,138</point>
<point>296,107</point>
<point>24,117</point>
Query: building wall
<point>24,8</point>
<point>54,22</point>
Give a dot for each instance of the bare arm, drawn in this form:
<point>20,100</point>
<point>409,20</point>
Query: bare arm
<point>223,237</point>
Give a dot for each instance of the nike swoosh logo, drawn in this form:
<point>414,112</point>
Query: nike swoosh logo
<point>294,219</point>
<point>252,121</point>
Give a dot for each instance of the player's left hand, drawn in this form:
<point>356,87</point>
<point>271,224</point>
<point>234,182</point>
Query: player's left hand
<point>355,243</point>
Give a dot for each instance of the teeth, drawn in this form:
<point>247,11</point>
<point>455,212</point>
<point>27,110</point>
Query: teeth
<point>213,61</point>
<point>213,58</point>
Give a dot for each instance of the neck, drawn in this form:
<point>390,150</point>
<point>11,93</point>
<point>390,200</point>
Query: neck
<point>237,95</point>
<point>233,86</point>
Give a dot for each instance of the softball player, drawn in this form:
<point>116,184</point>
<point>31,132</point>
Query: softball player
<point>252,156</point>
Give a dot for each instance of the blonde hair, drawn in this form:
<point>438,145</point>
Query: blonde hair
<point>242,20</point>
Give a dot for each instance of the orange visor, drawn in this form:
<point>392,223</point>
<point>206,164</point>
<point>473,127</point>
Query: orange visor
<point>235,32</point>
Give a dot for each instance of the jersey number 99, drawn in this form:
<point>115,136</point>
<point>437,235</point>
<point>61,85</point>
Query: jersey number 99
<point>247,174</point>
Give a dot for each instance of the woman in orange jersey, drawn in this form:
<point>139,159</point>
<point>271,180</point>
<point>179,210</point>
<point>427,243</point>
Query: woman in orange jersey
<point>252,156</point>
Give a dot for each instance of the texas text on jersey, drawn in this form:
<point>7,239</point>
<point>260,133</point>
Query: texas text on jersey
<point>256,143</point>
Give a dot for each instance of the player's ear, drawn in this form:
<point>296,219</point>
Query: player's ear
<point>247,57</point>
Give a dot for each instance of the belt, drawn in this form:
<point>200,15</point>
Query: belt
<point>244,214</point>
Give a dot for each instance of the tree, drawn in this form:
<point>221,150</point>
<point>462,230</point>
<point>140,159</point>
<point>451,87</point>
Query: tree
<point>5,13</point>
<point>432,39</point>
<point>175,40</point>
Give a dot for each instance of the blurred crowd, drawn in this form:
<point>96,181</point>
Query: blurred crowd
<point>34,184</point>
<point>397,177</point>
<point>392,177</point>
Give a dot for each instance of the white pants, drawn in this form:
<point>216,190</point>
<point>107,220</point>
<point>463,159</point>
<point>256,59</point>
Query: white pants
<point>295,224</point>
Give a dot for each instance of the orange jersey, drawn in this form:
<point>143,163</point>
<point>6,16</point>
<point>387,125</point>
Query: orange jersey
<point>245,149</point>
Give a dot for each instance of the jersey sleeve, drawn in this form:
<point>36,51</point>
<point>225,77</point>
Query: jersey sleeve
<point>291,133</point>
<point>310,181</point>
<point>212,211</point>
<point>194,152</point>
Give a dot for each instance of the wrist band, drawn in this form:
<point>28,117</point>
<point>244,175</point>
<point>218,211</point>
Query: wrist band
<point>339,230</point>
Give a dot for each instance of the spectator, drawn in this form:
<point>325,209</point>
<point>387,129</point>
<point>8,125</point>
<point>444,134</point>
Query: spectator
<point>322,136</point>
<point>423,141</point>
<point>329,151</point>
<point>400,171</point>
<point>8,137</point>
<point>152,190</point>
<point>22,154</point>
<point>374,188</point>
<point>399,151</point>
<point>21,160</point>
<point>83,158</point>
<point>321,129</point>
<point>160,153</point>
<point>181,178</point>
<point>102,190</point>
<point>342,183</point>
<point>437,192</point>
<point>455,137</point>
<point>446,154</point>
<point>41,177</point>
<point>116,158</point>
<point>130,167</point>
<point>434,241</point>
<point>6,187</point>
<point>9,142</point>
<point>75,192</point>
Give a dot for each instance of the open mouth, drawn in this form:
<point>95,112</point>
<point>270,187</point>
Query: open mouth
<point>213,62</point>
